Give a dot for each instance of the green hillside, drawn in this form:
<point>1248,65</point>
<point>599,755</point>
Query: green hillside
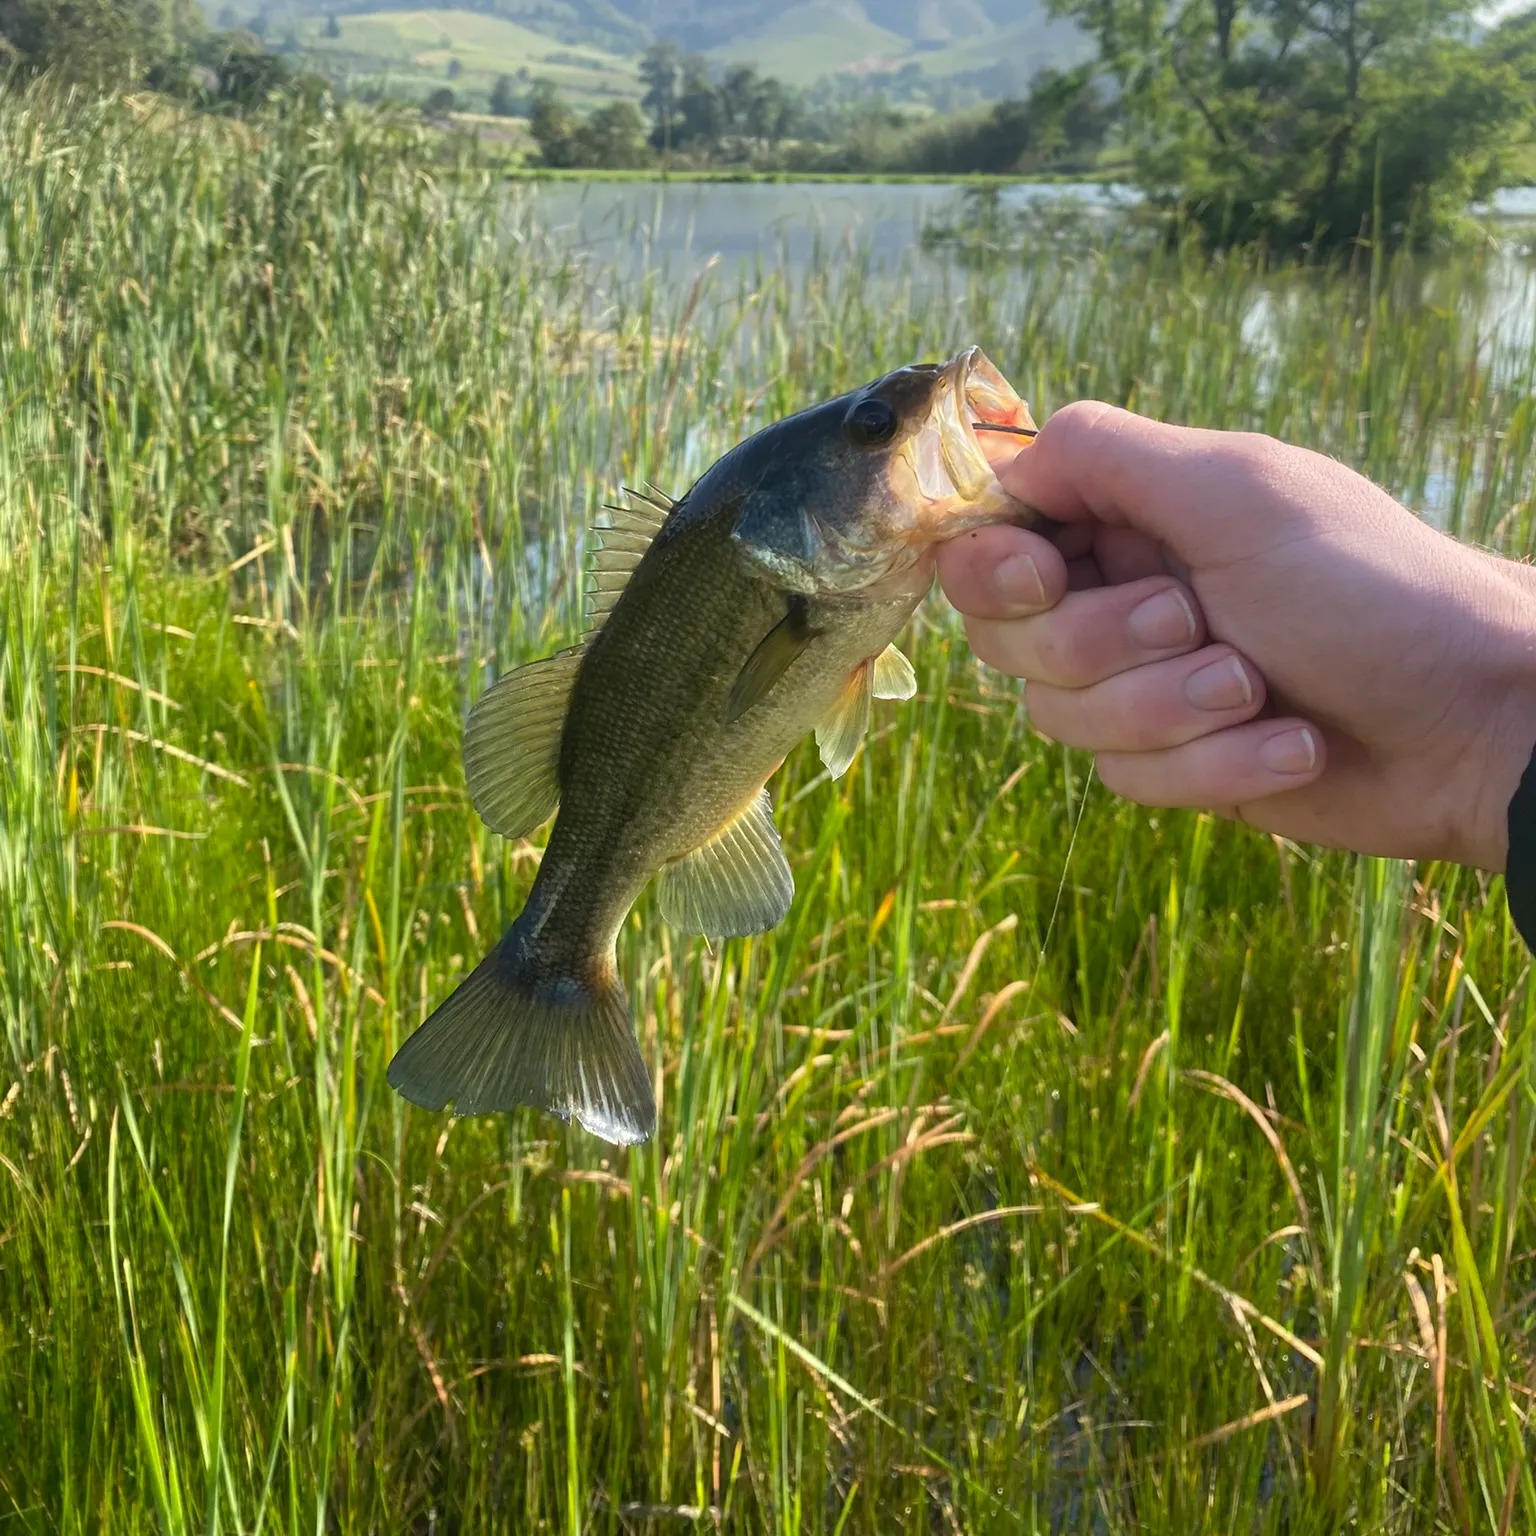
<point>805,42</point>
<point>418,49</point>
<point>590,48</point>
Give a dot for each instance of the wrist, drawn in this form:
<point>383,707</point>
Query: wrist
<point>1507,685</point>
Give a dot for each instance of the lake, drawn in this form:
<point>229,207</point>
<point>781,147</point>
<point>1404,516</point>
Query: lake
<point>677,226</point>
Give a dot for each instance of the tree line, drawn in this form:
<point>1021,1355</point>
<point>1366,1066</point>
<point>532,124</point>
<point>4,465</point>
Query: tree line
<point>164,45</point>
<point>1316,122</point>
<point>692,114</point>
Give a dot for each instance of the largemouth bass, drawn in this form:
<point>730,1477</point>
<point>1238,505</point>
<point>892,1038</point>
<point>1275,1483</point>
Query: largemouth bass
<point>725,626</point>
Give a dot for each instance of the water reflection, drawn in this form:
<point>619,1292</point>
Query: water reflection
<point>676,227</point>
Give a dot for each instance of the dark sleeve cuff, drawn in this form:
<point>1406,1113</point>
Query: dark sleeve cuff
<point>1520,869</point>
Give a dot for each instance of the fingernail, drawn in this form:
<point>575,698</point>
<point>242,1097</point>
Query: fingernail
<point>1163,621</point>
<point>1221,685</point>
<point>1018,581</point>
<point>1290,752</point>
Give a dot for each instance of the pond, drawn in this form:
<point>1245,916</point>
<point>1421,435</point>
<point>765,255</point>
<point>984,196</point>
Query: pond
<point>677,226</point>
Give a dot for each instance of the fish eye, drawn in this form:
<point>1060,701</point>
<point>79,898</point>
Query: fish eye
<point>870,423</point>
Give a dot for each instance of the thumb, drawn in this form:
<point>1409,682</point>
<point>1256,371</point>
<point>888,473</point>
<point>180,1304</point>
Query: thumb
<point>1182,486</point>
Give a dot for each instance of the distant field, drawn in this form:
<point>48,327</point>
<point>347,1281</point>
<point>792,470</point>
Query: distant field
<point>419,48</point>
<point>808,41</point>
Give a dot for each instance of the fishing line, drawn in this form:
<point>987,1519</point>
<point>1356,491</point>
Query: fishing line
<point>994,426</point>
<point>1066,864</point>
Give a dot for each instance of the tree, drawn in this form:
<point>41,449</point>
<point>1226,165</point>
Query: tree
<point>332,27</point>
<point>247,75</point>
<point>1310,121</point>
<point>613,138</point>
<point>552,126</point>
<point>455,68</point>
<point>700,111</point>
<point>439,103</point>
<point>100,43</point>
<point>503,102</point>
<point>658,74</point>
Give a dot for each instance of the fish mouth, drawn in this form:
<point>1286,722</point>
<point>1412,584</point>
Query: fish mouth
<point>954,474</point>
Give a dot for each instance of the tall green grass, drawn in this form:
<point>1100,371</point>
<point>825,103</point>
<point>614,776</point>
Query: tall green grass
<point>1054,1166</point>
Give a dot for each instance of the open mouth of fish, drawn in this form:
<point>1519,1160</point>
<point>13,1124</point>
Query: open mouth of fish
<point>953,472</point>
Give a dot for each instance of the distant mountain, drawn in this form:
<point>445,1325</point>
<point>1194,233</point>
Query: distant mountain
<point>989,48</point>
<point>708,25</point>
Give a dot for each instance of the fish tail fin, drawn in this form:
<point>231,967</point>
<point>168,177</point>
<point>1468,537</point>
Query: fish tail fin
<point>521,1031</point>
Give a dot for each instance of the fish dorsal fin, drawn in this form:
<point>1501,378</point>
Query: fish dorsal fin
<point>772,658</point>
<point>737,883</point>
<point>893,677</point>
<point>618,543</point>
<point>842,728</point>
<point>512,744</point>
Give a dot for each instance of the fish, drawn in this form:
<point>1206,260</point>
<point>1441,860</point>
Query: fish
<point>723,628</point>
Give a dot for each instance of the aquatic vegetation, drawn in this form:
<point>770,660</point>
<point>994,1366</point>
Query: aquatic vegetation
<point>1053,1165</point>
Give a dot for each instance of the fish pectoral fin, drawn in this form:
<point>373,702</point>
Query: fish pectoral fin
<point>893,677</point>
<point>512,744</point>
<point>737,883</point>
<point>843,727</point>
<point>774,655</point>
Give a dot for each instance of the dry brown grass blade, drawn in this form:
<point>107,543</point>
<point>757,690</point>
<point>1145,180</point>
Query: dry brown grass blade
<point>995,1007</point>
<point>1249,1421</point>
<point>1148,1056</point>
<point>156,942</point>
<point>973,960</point>
<point>934,1238</point>
<point>1230,1091</point>
<point>807,1163</point>
<point>1140,1240</point>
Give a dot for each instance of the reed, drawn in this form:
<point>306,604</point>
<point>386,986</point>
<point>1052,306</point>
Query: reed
<point>1054,1166</point>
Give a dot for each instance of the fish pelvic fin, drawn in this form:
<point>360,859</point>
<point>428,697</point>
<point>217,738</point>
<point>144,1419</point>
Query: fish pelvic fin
<point>735,884</point>
<point>893,677</point>
<point>514,1033</point>
<point>512,744</point>
<point>844,725</point>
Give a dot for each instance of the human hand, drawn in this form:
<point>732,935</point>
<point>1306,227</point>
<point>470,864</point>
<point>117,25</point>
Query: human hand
<point>1234,623</point>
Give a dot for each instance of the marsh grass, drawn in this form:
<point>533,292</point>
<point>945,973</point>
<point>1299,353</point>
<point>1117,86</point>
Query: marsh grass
<point>1054,1166</point>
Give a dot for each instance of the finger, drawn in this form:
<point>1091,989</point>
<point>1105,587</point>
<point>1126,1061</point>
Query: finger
<point>1163,704</point>
<point>1091,635</point>
<point>1001,573</point>
<point>1083,574</point>
<point>1177,485</point>
<point>1125,554</point>
<point>1232,767</point>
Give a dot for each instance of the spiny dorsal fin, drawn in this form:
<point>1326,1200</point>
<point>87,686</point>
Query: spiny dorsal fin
<point>893,677</point>
<point>512,744</point>
<point>737,883</point>
<point>617,546</point>
<point>842,729</point>
<point>774,654</point>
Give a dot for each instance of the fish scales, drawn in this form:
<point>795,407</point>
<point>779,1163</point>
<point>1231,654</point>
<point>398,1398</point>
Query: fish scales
<point>761,609</point>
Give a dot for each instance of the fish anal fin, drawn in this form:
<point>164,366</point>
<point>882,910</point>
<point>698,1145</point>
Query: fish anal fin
<point>892,677</point>
<point>774,655</point>
<point>842,728</point>
<point>513,1034</point>
<point>735,884</point>
<point>512,744</point>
